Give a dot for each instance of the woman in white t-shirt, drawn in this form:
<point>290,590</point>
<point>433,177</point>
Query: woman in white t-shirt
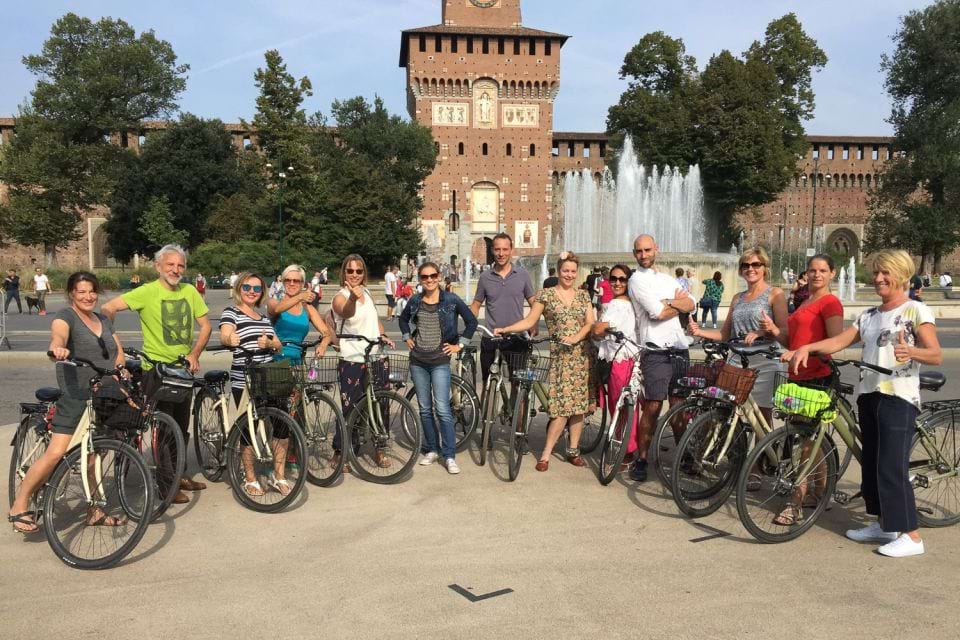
<point>355,313</point>
<point>618,314</point>
<point>898,335</point>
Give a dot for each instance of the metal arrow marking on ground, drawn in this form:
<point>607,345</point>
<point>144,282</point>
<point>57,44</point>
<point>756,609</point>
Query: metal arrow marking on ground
<point>714,533</point>
<point>475,598</point>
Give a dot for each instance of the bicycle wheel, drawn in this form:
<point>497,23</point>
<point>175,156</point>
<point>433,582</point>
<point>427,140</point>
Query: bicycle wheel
<point>383,446</point>
<point>779,458</point>
<point>844,454</point>
<point>594,426</point>
<point>28,446</point>
<point>707,471</point>
<point>615,443</point>
<point>489,419</point>
<point>670,428</point>
<point>67,513</point>
<point>322,423</point>
<point>934,469</point>
<point>209,434</point>
<point>161,446</point>
<point>464,405</point>
<point>280,450</point>
<point>468,372</point>
<point>517,436</point>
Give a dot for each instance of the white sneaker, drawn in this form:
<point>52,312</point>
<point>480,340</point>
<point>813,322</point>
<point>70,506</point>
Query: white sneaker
<point>871,533</point>
<point>429,458</point>
<point>452,467</point>
<point>902,547</point>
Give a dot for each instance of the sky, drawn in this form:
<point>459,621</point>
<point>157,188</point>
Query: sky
<point>351,47</point>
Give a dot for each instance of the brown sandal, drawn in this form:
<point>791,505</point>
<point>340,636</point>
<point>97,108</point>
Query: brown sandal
<point>542,465</point>
<point>790,516</point>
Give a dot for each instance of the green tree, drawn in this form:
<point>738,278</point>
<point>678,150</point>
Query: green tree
<point>157,227</point>
<point>918,203</point>
<point>280,120</point>
<point>235,218</point>
<point>95,79</point>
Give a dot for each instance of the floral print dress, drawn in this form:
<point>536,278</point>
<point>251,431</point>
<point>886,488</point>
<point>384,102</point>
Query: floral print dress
<point>571,369</point>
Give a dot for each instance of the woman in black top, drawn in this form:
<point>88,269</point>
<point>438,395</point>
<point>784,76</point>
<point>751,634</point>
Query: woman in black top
<point>11,285</point>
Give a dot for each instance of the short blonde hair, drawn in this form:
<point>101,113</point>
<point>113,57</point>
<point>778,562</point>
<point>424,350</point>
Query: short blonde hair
<point>353,257</point>
<point>294,267</point>
<point>897,263</point>
<point>241,280</point>
<point>757,252</point>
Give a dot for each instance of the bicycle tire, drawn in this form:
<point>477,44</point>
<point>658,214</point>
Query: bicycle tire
<point>270,420</point>
<point>469,372</point>
<point>490,415</point>
<point>163,450</point>
<point>663,445</point>
<point>400,444</point>
<point>696,493</point>
<point>64,500</point>
<point>209,435</point>
<point>785,445</point>
<point>321,427</point>
<point>464,405</point>
<point>517,437</point>
<point>594,426</point>
<point>616,440</point>
<point>933,510</point>
<point>24,441</point>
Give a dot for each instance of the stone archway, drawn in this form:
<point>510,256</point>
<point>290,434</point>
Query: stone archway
<point>481,252</point>
<point>843,242</point>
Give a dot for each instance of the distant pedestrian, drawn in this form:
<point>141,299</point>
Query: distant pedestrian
<point>11,288</point>
<point>390,289</point>
<point>233,279</point>
<point>712,294</point>
<point>41,286</point>
<point>946,280</point>
<point>201,284</point>
<point>684,283</point>
<point>551,280</point>
<point>916,287</point>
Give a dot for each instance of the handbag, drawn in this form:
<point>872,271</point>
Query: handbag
<point>165,383</point>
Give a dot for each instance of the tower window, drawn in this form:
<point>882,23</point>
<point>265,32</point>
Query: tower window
<point>454,44</point>
<point>437,44</point>
<point>509,149</point>
<point>547,47</point>
<point>516,46</point>
<point>460,149</point>
<point>533,150</point>
<point>469,44</point>
<point>486,45</point>
<point>533,46</point>
<point>485,148</point>
<point>423,43</point>
<point>501,48</point>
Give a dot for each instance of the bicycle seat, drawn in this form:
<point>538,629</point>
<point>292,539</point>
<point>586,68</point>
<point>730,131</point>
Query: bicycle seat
<point>216,376</point>
<point>932,380</point>
<point>47,394</point>
<point>751,349</point>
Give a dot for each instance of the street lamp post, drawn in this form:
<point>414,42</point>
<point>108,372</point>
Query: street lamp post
<point>281,176</point>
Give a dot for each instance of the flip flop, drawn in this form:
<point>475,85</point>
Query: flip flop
<point>20,518</point>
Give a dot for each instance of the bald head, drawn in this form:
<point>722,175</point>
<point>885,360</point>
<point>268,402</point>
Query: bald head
<point>645,250</point>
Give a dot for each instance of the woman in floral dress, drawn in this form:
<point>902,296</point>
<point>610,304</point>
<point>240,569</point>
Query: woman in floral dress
<point>570,317</point>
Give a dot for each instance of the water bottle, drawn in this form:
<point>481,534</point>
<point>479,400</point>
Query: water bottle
<point>793,404</point>
<point>312,374</point>
<point>715,392</point>
<point>692,382</point>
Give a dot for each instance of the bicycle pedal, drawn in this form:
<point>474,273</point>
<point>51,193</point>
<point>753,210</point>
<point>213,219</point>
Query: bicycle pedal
<point>842,498</point>
<point>920,481</point>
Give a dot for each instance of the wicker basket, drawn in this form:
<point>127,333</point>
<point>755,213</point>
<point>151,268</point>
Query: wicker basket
<point>531,366</point>
<point>736,381</point>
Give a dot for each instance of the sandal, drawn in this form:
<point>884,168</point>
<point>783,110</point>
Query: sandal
<point>811,500</point>
<point>103,520</point>
<point>753,482</point>
<point>281,486</point>
<point>253,489</point>
<point>790,516</point>
<point>21,518</point>
<point>542,465</point>
<point>574,458</point>
<point>381,460</point>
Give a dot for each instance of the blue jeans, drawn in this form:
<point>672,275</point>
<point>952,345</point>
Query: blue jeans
<point>432,383</point>
<point>714,305</point>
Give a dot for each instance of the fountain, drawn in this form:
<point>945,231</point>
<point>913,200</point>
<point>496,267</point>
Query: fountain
<point>852,281</point>
<point>606,217</point>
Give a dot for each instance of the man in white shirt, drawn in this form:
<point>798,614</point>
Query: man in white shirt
<point>390,288</point>
<point>41,285</point>
<point>946,280</point>
<point>658,300</point>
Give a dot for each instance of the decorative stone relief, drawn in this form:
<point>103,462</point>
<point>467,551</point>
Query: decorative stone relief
<point>485,104</point>
<point>451,114</point>
<point>521,115</point>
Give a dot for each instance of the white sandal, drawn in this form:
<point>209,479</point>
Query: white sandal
<point>276,485</point>
<point>250,487</point>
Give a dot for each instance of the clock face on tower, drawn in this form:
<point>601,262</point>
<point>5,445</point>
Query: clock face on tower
<point>484,4</point>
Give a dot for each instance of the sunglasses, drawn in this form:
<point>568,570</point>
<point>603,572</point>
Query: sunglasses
<point>622,279</point>
<point>429,276</point>
<point>750,265</point>
<point>291,281</point>
<point>351,272</point>
<point>247,288</point>
<point>103,348</point>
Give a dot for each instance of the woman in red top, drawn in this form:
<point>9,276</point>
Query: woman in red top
<point>819,317</point>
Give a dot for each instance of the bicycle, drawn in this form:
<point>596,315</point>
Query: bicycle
<point>713,447</point>
<point>32,436</point>
<point>802,454</point>
<point>98,479</point>
<point>248,439</point>
<point>616,438</point>
<point>383,432</point>
<point>464,404</point>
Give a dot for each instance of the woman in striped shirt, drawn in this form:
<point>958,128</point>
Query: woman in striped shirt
<point>242,325</point>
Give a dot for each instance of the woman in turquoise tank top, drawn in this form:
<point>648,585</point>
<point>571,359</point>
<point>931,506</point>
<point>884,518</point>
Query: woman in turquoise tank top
<point>293,314</point>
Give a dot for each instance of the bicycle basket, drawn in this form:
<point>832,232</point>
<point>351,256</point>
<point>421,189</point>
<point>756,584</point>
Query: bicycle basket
<point>270,381</point>
<point>166,383</point>
<point>118,413</point>
<point>736,381</point>
<point>694,374</point>
<point>393,368</point>
<point>317,371</point>
<point>805,400</point>
<point>533,366</point>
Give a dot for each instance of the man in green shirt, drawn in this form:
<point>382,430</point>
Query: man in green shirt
<point>168,310</point>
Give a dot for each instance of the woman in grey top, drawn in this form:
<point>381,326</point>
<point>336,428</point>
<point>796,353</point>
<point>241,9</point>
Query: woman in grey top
<point>759,312</point>
<point>435,314</point>
<point>76,331</point>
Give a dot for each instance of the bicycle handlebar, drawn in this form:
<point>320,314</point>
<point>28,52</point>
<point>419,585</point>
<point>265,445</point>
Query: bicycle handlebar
<point>860,364</point>
<point>136,353</point>
<point>77,361</point>
<point>248,353</point>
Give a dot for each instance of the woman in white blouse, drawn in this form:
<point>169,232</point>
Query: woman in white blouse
<point>618,315</point>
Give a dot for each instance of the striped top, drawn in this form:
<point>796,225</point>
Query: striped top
<point>249,331</point>
<point>428,341</point>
